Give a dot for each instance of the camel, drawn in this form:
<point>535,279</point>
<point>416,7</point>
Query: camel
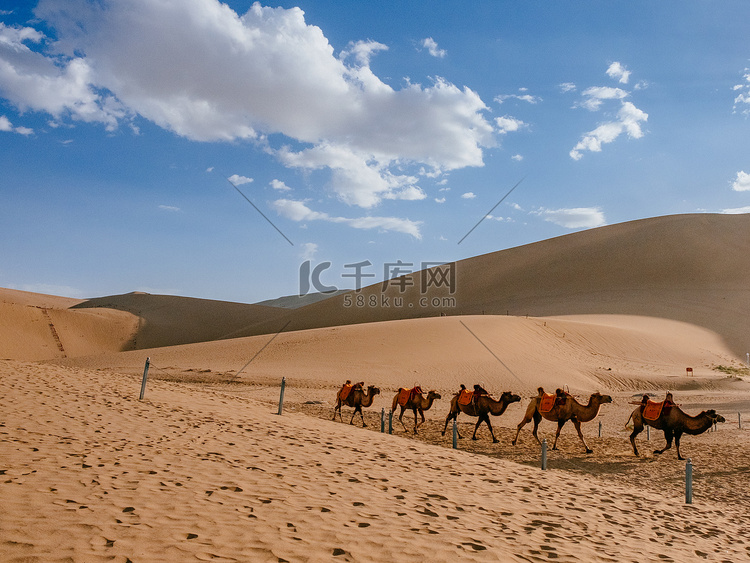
<point>561,413</point>
<point>482,407</point>
<point>357,398</point>
<point>675,423</point>
<point>417,403</point>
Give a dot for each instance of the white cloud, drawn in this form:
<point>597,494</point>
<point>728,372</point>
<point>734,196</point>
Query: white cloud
<point>575,218</point>
<point>206,73</point>
<point>238,180</point>
<point>522,97</point>
<point>517,157</point>
<point>468,195</point>
<point>742,182</point>
<point>298,211</point>
<point>742,100</point>
<point>440,200</point>
<point>737,210</point>
<point>280,186</point>
<point>566,87</point>
<point>507,124</point>
<point>6,125</point>
<point>309,249</point>
<point>629,120</point>
<point>618,72</point>
<point>169,208</point>
<point>432,47</point>
<point>595,96</point>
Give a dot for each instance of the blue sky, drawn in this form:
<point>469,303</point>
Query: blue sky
<point>359,132</point>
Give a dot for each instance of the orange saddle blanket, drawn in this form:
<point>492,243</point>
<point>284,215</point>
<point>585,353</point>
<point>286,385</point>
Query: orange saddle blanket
<point>405,394</point>
<point>547,402</point>
<point>465,396</point>
<point>345,390</point>
<point>652,410</point>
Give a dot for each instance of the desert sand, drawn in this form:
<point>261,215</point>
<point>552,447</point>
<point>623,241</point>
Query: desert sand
<point>204,467</point>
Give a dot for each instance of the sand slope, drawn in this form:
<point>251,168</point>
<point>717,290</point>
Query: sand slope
<point>89,473</point>
<point>690,268</point>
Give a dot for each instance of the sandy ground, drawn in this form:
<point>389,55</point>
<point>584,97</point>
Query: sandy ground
<point>195,472</point>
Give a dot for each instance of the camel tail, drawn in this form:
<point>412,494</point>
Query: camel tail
<point>628,422</point>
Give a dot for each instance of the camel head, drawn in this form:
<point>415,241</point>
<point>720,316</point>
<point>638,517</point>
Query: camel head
<point>372,390</point>
<point>508,397</point>
<point>601,398</point>
<point>714,416</point>
<point>433,395</point>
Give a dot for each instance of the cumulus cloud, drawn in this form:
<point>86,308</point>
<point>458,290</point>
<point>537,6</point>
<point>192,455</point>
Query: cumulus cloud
<point>618,72</point>
<point>507,124</point>
<point>517,157</point>
<point>298,211</point>
<point>309,249</point>
<point>468,195</point>
<point>432,47</point>
<point>439,200</point>
<point>280,186</point>
<point>736,210</point>
<point>566,87</point>
<point>741,182</point>
<point>629,118</point>
<point>238,180</point>
<point>206,73</point>
<point>742,100</point>
<point>574,218</point>
<point>6,125</point>
<point>595,96</point>
<point>523,96</point>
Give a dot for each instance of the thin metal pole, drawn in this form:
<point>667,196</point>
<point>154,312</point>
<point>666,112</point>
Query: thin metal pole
<point>739,420</point>
<point>544,454</point>
<point>689,482</point>
<point>455,434</point>
<point>648,433</point>
<point>281,395</point>
<point>390,422</point>
<point>145,377</point>
<point>382,420</point>
<point>600,428</point>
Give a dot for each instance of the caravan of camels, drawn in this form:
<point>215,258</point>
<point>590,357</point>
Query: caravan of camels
<point>559,407</point>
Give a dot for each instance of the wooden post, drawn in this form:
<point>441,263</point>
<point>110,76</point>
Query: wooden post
<point>390,421</point>
<point>544,454</point>
<point>281,395</point>
<point>689,482</point>
<point>145,377</point>
<point>382,420</point>
<point>600,428</point>
<point>455,434</point>
<point>648,432</point>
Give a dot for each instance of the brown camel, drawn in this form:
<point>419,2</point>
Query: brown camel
<point>357,398</point>
<point>481,406</point>
<point>675,423</point>
<point>418,403</point>
<point>561,413</point>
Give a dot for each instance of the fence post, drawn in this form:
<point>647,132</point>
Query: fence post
<point>390,421</point>
<point>145,377</point>
<point>739,420</point>
<point>689,482</point>
<point>382,420</point>
<point>600,428</point>
<point>455,434</point>
<point>281,395</point>
<point>648,432</point>
<point>544,454</point>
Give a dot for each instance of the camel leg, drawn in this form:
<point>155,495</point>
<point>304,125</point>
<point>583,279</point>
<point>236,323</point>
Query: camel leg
<point>668,436</point>
<point>560,424</point>
<point>481,419</point>
<point>401,419</point>
<point>537,420</point>
<point>416,424</point>
<point>362,416</point>
<point>337,408</point>
<point>521,424</point>
<point>577,424</point>
<point>677,437</point>
<point>637,429</point>
<point>453,415</point>
<point>489,425</point>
